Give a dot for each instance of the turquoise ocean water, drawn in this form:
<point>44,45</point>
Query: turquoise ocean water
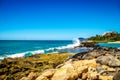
<point>113,45</point>
<point>20,48</point>
<point>24,48</point>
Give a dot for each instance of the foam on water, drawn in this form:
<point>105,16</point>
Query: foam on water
<point>67,48</point>
<point>24,54</point>
<point>1,58</point>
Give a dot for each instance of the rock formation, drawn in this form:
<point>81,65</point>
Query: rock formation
<point>98,64</point>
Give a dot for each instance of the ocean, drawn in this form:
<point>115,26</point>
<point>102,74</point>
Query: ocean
<point>25,48</point>
<point>20,48</point>
<point>113,45</point>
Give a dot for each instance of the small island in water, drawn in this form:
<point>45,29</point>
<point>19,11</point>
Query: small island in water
<point>95,58</point>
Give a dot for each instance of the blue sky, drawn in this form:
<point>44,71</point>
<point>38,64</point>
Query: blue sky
<point>57,19</point>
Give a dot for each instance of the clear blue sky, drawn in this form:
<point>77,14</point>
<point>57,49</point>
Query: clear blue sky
<point>57,19</point>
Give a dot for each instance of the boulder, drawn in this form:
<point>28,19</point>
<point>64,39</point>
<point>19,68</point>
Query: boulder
<point>46,75</point>
<point>91,55</point>
<point>66,72</point>
<point>105,48</point>
<point>31,76</point>
<point>83,66</point>
<point>89,44</point>
<point>108,60</point>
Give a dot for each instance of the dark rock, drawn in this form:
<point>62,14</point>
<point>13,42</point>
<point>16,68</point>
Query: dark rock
<point>108,34</point>
<point>36,56</point>
<point>105,48</point>
<point>3,71</point>
<point>89,44</point>
<point>79,55</point>
<point>116,76</point>
<point>108,60</point>
<point>10,78</point>
<point>2,65</point>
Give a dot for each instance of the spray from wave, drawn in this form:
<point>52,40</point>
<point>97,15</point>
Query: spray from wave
<point>67,48</point>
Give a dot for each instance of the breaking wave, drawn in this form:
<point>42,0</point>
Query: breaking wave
<point>67,48</point>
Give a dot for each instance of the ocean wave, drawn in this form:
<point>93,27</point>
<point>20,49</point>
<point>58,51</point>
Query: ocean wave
<point>67,48</point>
<point>1,58</point>
<point>23,54</point>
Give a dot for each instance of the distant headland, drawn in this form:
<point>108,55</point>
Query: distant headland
<point>110,37</point>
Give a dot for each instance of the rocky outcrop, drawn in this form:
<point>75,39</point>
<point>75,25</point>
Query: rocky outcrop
<point>108,60</point>
<point>81,69</point>
<point>88,44</point>
<point>66,72</point>
<point>106,37</point>
<point>31,76</point>
<point>107,34</point>
<point>98,64</point>
<point>46,75</point>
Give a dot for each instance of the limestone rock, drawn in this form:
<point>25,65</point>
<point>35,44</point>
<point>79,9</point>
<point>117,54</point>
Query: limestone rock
<point>24,78</point>
<point>83,66</point>
<point>46,74</point>
<point>105,77</point>
<point>31,76</point>
<point>66,72</point>
<point>93,76</point>
<point>84,76</point>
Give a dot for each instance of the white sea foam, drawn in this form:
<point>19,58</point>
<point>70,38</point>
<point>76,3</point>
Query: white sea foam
<point>69,47</point>
<point>1,58</point>
<point>76,42</point>
<point>16,55</point>
<point>38,52</point>
<point>25,53</point>
<point>50,49</point>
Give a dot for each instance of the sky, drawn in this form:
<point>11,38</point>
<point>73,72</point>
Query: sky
<point>57,19</point>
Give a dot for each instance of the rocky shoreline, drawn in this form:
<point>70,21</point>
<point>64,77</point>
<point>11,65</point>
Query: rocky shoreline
<point>16,68</point>
<point>99,64</point>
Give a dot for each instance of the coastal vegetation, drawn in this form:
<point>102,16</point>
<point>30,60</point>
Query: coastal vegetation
<point>106,37</point>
